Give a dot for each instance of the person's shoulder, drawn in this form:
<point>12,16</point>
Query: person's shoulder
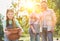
<point>51,10</point>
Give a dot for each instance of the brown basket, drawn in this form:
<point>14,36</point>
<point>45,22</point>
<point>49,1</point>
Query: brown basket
<point>14,34</point>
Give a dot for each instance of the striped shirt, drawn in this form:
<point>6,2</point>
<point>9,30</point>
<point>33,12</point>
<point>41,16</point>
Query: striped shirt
<point>48,18</point>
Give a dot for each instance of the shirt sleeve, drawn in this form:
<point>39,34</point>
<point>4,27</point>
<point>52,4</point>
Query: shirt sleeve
<point>4,24</point>
<point>54,16</point>
<point>18,25</point>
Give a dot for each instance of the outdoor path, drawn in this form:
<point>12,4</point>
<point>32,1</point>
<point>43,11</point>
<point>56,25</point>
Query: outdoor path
<point>28,39</point>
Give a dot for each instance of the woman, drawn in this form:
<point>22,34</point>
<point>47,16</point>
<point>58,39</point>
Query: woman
<point>34,29</point>
<point>10,22</point>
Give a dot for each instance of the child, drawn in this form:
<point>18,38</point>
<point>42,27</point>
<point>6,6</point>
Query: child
<point>10,22</point>
<point>34,29</point>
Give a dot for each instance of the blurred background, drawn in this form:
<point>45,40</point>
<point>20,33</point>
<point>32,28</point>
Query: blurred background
<point>22,10</point>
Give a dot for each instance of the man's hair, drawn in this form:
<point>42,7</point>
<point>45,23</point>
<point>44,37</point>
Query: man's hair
<point>44,2</point>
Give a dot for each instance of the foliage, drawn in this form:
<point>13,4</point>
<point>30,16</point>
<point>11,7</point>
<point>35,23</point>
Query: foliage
<point>1,28</point>
<point>24,22</point>
<point>55,4</point>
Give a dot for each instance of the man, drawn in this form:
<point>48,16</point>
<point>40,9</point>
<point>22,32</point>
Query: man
<point>48,21</point>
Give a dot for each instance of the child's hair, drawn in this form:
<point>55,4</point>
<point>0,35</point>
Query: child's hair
<point>33,17</point>
<point>7,19</point>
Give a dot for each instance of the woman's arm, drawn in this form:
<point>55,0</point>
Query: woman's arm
<point>4,28</point>
<point>32,29</point>
<point>31,26</point>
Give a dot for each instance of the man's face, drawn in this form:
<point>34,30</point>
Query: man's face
<point>43,5</point>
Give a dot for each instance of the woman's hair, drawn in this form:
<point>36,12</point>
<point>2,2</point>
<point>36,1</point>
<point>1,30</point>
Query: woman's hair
<point>7,19</point>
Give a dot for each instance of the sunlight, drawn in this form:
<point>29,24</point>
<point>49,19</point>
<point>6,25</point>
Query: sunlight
<point>4,5</point>
<point>29,4</point>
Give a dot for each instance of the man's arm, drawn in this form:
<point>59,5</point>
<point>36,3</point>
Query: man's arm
<point>53,18</point>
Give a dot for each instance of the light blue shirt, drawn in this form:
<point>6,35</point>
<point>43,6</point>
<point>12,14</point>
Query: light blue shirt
<point>10,22</point>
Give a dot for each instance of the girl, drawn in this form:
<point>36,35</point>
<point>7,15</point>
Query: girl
<point>10,22</point>
<point>34,29</point>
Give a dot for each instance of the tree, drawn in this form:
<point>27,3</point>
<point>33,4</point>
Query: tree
<point>55,4</point>
<point>1,28</point>
<point>57,9</point>
<point>24,20</point>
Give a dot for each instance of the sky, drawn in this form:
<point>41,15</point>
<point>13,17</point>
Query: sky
<point>4,5</point>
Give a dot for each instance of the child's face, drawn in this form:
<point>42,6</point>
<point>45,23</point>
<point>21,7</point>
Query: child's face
<point>10,15</point>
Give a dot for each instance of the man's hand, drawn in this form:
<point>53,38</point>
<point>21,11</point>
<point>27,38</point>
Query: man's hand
<point>52,30</point>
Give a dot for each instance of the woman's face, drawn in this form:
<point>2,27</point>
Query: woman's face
<point>10,15</point>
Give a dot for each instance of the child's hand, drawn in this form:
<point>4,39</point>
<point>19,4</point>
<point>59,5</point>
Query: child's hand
<point>7,33</point>
<point>34,31</point>
<point>20,33</point>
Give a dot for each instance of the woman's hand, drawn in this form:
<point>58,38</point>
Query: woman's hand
<point>31,26</point>
<point>34,31</point>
